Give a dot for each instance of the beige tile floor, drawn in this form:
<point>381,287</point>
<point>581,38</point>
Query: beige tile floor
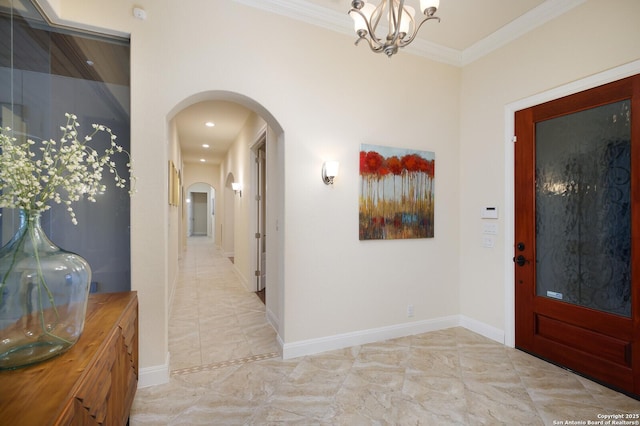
<point>225,370</point>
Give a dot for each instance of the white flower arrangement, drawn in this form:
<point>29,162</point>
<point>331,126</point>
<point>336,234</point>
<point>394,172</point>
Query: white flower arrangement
<point>62,172</point>
<point>33,175</point>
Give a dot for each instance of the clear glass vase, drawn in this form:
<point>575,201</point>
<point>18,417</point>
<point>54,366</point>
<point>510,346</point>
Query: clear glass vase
<point>43,296</point>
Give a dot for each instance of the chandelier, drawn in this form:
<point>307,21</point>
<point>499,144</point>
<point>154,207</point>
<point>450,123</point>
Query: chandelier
<point>392,15</point>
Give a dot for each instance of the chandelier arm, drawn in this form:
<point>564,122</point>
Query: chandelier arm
<point>394,20</point>
<point>404,42</point>
<point>378,48</point>
<point>375,20</point>
<point>413,24</point>
<point>373,44</point>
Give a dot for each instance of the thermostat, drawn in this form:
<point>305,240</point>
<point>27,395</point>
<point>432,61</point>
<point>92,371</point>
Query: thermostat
<point>489,213</point>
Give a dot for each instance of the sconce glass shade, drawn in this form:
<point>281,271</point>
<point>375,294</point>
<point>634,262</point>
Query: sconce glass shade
<point>329,171</point>
<point>359,22</point>
<point>237,187</point>
<point>407,19</point>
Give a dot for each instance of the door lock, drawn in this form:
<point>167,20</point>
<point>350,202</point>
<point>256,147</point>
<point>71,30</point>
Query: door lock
<point>520,260</point>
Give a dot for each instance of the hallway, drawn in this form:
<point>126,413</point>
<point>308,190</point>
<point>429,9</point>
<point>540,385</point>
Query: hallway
<point>213,318</point>
<point>225,370</point>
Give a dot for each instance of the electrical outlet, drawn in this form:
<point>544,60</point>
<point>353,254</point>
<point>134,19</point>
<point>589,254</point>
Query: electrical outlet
<point>410,311</point>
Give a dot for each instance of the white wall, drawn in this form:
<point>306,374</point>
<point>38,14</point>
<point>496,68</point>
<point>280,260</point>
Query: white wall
<point>237,163</point>
<point>329,97</point>
<point>334,283</point>
<point>275,239</point>
<point>174,213</point>
<point>590,39</point>
<point>227,220</point>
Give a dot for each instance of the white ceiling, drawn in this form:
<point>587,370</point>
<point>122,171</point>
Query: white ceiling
<point>228,118</point>
<point>468,30</point>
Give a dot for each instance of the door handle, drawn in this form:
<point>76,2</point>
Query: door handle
<point>520,260</point>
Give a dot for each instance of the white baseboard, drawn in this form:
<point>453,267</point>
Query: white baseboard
<point>243,280</point>
<point>482,329</point>
<point>272,319</point>
<point>155,375</point>
<point>340,341</point>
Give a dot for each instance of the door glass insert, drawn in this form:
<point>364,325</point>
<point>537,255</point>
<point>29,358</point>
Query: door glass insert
<point>583,225</point>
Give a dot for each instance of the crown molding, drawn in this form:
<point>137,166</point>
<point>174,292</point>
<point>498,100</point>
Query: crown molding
<point>536,17</point>
<point>305,11</point>
<point>340,22</point>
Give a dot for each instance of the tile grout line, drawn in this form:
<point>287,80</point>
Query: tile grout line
<point>238,361</point>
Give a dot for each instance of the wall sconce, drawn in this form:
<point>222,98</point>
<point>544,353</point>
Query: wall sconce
<point>329,171</point>
<point>237,187</point>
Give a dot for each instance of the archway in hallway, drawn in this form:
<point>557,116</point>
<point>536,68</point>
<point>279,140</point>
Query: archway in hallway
<point>200,209</point>
<point>234,210</point>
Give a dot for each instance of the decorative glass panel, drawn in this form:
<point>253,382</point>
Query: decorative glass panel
<point>583,227</point>
<point>44,72</point>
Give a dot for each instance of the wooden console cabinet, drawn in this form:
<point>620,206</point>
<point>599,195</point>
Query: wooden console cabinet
<point>93,383</point>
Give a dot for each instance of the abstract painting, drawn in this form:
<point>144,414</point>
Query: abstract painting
<point>396,193</point>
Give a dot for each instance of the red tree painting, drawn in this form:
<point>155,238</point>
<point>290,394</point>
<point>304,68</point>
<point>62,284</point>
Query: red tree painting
<point>396,193</point>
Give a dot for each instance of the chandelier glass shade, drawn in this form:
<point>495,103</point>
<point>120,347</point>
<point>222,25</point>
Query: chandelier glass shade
<point>392,16</point>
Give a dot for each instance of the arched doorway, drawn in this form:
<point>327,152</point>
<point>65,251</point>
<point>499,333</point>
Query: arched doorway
<point>200,200</point>
<point>235,210</point>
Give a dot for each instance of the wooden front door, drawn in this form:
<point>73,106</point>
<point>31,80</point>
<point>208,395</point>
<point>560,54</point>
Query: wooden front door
<point>577,232</point>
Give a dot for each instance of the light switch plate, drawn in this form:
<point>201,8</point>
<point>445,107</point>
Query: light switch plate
<point>490,228</point>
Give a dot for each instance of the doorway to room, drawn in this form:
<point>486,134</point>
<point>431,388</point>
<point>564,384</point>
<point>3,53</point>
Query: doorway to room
<point>198,213</point>
<point>200,210</point>
<point>576,252</point>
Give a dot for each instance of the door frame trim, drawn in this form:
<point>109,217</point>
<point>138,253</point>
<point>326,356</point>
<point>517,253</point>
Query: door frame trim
<point>260,138</point>
<point>608,76</point>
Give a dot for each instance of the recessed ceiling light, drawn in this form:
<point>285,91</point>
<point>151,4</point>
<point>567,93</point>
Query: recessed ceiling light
<point>90,62</point>
<point>205,145</point>
<point>209,124</point>
<point>202,160</point>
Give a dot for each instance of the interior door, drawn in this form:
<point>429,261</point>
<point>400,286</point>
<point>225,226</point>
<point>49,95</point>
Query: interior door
<point>577,221</point>
<point>261,204</point>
